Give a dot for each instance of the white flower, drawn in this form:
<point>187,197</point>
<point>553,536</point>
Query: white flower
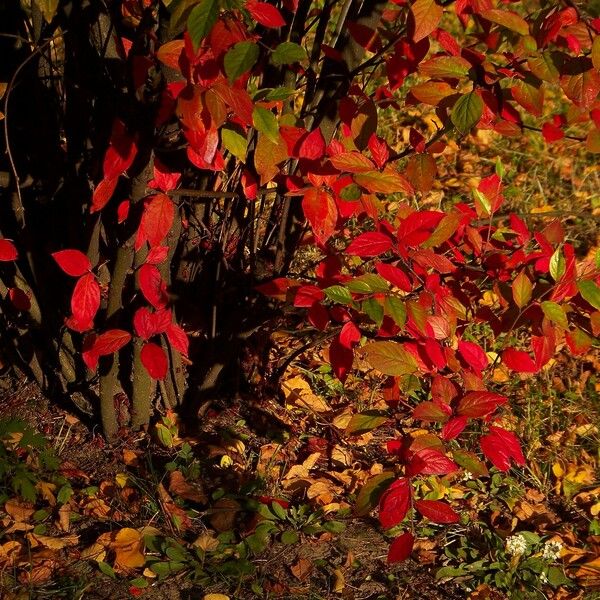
<point>544,578</point>
<point>467,475</point>
<point>551,550</point>
<point>516,545</point>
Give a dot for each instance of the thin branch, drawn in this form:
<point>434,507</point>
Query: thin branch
<point>20,208</point>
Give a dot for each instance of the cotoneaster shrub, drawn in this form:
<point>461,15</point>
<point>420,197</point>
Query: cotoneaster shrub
<point>232,125</point>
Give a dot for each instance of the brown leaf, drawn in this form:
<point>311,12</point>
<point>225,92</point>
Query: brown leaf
<point>180,487</point>
<point>302,569</point>
<point>53,543</point>
<point>223,514</point>
<point>297,392</point>
<point>19,511</point>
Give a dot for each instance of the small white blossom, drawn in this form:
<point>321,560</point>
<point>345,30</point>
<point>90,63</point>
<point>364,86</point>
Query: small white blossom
<point>551,550</point>
<point>516,545</point>
<point>467,475</point>
<point>544,578</point>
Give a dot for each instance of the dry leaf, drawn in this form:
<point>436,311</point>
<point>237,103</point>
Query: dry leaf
<point>180,487</point>
<point>96,551</point>
<point>206,542</point>
<point>19,511</point>
<point>53,543</point>
<point>340,581</point>
<point>302,569</point>
<point>128,545</point>
<point>297,392</point>
<point>223,513</point>
<point>215,597</point>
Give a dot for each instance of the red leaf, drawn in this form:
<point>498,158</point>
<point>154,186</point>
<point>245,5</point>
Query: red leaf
<point>479,404</point>
<point>394,503</point>
<point>379,151</point>
<point>552,133</point>
<point>430,411</point>
<point>85,300</point>
<point>164,179</point>
<point>473,354</point>
<point>500,447</point>
<point>426,15</point>
<point>157,255</point>
<point>491,188</point>
<point>143,323</point>
<point>341,358</point>
<point>156,221</point>
<point>19,299</point>
<point>265,14</point>
<point>436,511</point>
<point>178,338</point>
<point>111,341</point>
<point>152,286</point>
<point>519,361</point>
<point>352,162</point>
<point>8,252</point>
<point>454,427</point>
<point>395,276</point>
<point>123,211</point>
<point>103,193</point>
<point>401,548</point>
<point>430,462</point>
<point>321,212</point>
<point>154,360</point>
<point>313,146</point>
<point>417,227</point>
<point>307,295</point>
<point>349,335</point>
<point>72,262</point>
<point>368,244</point>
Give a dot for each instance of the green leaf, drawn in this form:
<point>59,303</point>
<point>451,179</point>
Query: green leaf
<point>339,294</point>
<point>557,265</point>
<point>369,494</point>
<point>557,577</point>
<point>64,494</point>
<point>365,422</point>
<point>288,53</point>
<point>266,122</point>
<point>334,526</point>
<point>396,309</point>
<point>202,19</point>
<point>289,537</point>
<point>555,313</point>
<point>390,358</point>
<point>107,569</point>
<point>522,289</point>
<point>368,284</point>
<point>235,141</point>
<point>139,582</point>
<point>351,193</point>
<point>278,510</point>
<point>470,462</point>
<point>281,93</point>
<point>590,292</point>
<point>240,59</point>
<point>373,309</point>
<point>466,112</point>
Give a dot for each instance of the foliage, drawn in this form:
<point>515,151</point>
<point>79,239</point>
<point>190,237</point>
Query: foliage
<point>269,114</point>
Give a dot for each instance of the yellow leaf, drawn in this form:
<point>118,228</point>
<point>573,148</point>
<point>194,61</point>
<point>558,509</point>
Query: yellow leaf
<point>121,479</point>
<point>297,392</point>
<point>340,581</point>
<point>95,552</point>
<point>215,597</point>
<point>127,545</point>
<point>53,543</point>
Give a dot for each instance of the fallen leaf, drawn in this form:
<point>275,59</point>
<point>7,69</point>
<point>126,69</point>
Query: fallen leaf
<point>297,392</point>
<point>128,545</point>
<point>223,513</point>
<point>53,543</point>
<point>180,487</point>
<point>19,511</point>
<point>302,569</point>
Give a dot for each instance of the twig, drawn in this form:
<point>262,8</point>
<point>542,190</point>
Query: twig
<point>20,208</point>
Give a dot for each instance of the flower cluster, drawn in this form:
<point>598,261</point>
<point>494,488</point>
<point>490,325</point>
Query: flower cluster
<point>516,545</point>
<point>551,550</point>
